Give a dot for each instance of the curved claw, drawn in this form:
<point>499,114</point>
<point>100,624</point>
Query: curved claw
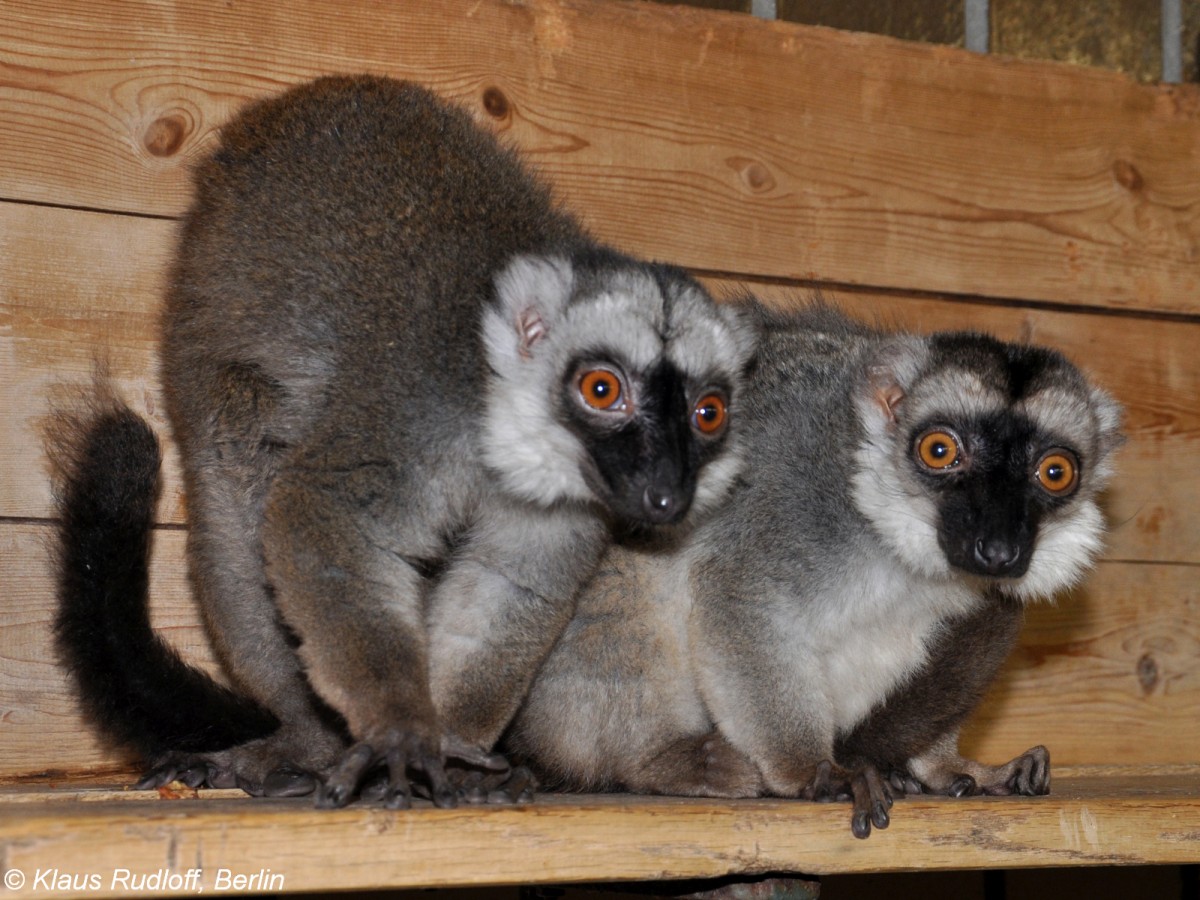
<point>903,783</point>
<point>827,785</point>
<point>261,769</point>
<point>287,781</point>
<point>187,770</point>
<point>512,786</point>
<point>872,800</point>
<point>1033,775</point>
<point>397,754</point>
<point>343,782</point>
<point>472,789</point>
<point>398,794</point>
<point>441,792</point>
<point>963,786</point>
<point>156,778</point>
<point>517,787</point>
<point>1029,775</point>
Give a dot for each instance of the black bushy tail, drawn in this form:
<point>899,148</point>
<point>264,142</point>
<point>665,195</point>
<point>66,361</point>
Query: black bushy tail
<point>134,687</point>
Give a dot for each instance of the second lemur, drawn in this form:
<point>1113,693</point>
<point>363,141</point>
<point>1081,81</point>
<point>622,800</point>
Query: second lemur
<point>412,398</point>
<point>902,497</point>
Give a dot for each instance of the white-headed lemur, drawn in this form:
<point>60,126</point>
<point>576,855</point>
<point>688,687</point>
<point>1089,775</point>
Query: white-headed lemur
<point>902,497</point>
<point>412,398</point>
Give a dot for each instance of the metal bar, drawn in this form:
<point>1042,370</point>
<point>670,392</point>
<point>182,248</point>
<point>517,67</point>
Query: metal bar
<point>764,9</point>
<point>1172,41</point>
<point>978,37</point>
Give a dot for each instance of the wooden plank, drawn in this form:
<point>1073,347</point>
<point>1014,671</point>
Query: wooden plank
<point>42,727</point>
<point>1087,821</point>
<point>1109,675</point>
<point>1103,675</point>
<point>121,262</point>
<point>74,284</point>
<point>75,287</point>
<point>716,140</point>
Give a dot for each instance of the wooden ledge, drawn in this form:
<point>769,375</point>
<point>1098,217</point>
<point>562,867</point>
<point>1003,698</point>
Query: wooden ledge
<point>1095,816</point>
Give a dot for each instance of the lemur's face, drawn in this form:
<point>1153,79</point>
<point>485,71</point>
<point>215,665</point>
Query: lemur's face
<point>997,452</point>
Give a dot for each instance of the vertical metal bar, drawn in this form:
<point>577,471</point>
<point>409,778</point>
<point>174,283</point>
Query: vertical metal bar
<point>1172,41</point>
<point>764,9</point>
<point>978,37</point>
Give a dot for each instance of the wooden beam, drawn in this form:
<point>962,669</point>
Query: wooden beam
<point>715,140</point>
<point>1133,817</point>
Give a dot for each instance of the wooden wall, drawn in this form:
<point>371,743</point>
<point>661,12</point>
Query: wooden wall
<point>921,185</point>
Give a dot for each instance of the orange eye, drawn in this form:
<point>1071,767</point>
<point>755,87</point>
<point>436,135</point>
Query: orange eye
<point>600,388</point>
<point>938,450</point>
<point>1058,472</point>
<point>709,415</point>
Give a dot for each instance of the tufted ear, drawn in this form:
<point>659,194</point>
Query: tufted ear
<point>888,379</point>
<point>1109,417</point>
<point>531,292</point>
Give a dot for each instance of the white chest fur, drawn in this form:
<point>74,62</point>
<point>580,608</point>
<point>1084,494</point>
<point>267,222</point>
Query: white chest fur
<point>868,628</point>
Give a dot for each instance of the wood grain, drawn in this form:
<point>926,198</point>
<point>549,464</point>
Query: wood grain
<point>1048,200</point>
<point>842,157</point>
<point>42,728</point>
<point>75,288</point>
<point>75,285</point>
<point>1108,675</point>
<point>1103,675</point>
<point>1115,820</point>
<point>57,321</point>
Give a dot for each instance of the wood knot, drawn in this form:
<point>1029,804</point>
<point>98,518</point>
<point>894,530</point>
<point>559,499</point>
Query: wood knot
<point>756,176</point>
<point>166,135</point>
<point>495,103</point>
<point>1147,673</point>
<point>1127,175</point>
